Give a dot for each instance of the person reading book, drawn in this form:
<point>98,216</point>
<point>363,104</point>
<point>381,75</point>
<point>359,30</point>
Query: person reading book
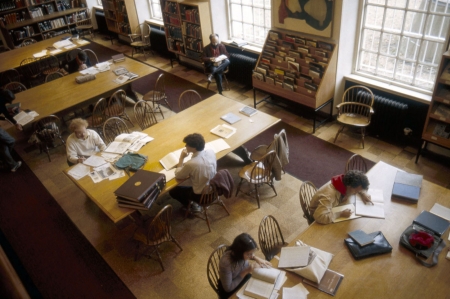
<point>81,62</point>
<point>200,169</point>
<point>7,141</point>
<point>213,63</point>
<point>234,267</point>
<point>82,143</point>
<point>337,191</point>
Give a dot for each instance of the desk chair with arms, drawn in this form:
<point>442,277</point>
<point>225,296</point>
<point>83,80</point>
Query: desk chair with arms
<point>225,86</point>
<point>98,117</point>
<point>270,237</point>
<point>112,128</point>
<point>93,59</point>
<point>140,39</point>
<point>212,268</point>
<point>158,95</point>
<point>356,162</point>
<point>188,98</point>
<point>283,157</point>
<point>144,115</point>
<point>307,191</point>
<point>116,106</point>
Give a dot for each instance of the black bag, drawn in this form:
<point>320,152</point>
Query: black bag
<point>131,161</point>
<point>379,246</point>
<point>435,249</point>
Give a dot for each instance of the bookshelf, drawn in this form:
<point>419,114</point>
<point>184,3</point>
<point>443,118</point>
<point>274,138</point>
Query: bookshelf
<point>187,27</point>
<point>437,123</point>
<point>121,16</point>
<point>34,18</point>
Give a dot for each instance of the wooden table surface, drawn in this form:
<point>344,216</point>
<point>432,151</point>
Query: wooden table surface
<point>168,136</point>
<point>393,275</point>
<point>12,59</point>
<point>64,93</point>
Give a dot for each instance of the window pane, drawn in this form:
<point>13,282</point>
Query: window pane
<point>237,29</point>
<point>397,3</point>
<point>377,1</point>
<point>425,76</point>
<point>437,27</point>
<point>418,4</point>
<point>236,1</point>
<point>409,48</point>
<point>247,2</point>
<point>368,62</point>
<point>374,16</point>
<point>248,32</point>
<point>414,23</point>
<point>439,6</point>
<point>236,12</point>
<point>258,14</point>
<point>258,3</point>
<point>385,67</point>
<point>389,44</point>
<point>248,13</point>
<point>430,53</point>
<point>394,20</point>
<point>405,71</point>
<point>371,40</point>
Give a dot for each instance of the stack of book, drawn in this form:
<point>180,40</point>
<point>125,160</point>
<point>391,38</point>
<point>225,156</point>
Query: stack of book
<point>141,190</point>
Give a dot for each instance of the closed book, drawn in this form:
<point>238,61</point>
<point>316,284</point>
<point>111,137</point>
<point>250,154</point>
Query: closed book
<point>247,110</point>
<point>432,222</point>
<point>407,186</point>
<point>329,283</point>
<point>140,185</point>
<point>230,118</point>
<point>380,245</point>
<point>361,237</point>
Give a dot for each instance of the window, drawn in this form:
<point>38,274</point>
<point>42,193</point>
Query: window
<point>155,10</point>
<point>402,41</point>
<point>250,20</point>
<point>99,2</point>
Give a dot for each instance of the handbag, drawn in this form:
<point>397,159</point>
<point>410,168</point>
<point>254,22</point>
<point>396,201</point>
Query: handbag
<point>131,161</point>
<point>421,253</point>
<point>379,246</point>
<point>317,264</point>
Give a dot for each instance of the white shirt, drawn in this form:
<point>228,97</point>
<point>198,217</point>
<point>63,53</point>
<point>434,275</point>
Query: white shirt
<point>200,169</point>
<point>76,147</point>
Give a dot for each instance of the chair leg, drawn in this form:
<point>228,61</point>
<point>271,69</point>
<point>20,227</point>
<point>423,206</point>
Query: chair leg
<point>170,107</point>
<point>176,242</point>
<point>188,210</point>
<point>239,187</point>
<point>257,195</point>
<point>273,187</point>
<point>338,132</point>
<point>207,219</point>
<point>226,81</point>
<point>207,85</point>
<point>224,206</point>
<point>159,258</point>
<point>363,133</point>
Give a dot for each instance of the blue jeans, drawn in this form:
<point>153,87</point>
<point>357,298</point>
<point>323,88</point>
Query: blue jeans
<point>6,146</point>
<point>217,72</point>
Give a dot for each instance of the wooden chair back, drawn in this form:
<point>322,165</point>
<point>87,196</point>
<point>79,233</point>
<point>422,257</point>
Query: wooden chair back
<point>11,75</point>
<point>159,230</point>
<point>262,170</point>
<point>212,268</point>
<point>188,98</point>
<point>30,67</point>
<point>307,191</point>
<point>141,33</point>
<point>113,127</point>
<point>92,56</point>
<point>15,87</point>
<point>49,64</point>
<point>144,115</point>
<point>116,104</point>
<point>53,76</point>
<point>48,131</point>
<point>159,93</point>
<point>270,237</point>
<point>27,42</point>
<point>356,162</point>
<point>98,117</point>
<point>357,100</point>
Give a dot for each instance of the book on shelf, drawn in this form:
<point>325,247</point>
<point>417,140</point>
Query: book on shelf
<point>292,65</point>
<point>442,130</point>
<point>407,185</point>
<point>441,211</point>
<point>262,283</point>
<point>337,210</point>
<point>361,237</point>
<point>249,111</point>
<point>124,141</point>
<point>442,110</point>
<point>270,80</point>
<point>230,118</point>
<point>374,209</point>
<point>223,131</point>
<point>329,283</point>
<point>294,257</point>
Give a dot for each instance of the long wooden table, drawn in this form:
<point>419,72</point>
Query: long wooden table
<point>12,59</point>
<point>64,93</point>
<point>168,136</point>
<point>394,275</point>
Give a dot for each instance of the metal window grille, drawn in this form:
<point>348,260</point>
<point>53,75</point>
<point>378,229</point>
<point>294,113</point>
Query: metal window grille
<point>402,41</point>
<point>155,10</point>
<point>249,20</point>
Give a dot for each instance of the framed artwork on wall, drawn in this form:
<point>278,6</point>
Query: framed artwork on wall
<point>313,17</point>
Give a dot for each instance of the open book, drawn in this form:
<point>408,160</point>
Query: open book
<point>376,209</point>
<point>294,257</point>
<point>124,141</point>
<point>171,159</point>
<point>339,209</point>
<point>262,283</point>
<point>223,131</point>
<point>23,118</point>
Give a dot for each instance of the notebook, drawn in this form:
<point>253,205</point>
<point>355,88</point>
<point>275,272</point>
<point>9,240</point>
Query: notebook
<point>407,186</point>
<point>230,118</point>
<point>432,222</point>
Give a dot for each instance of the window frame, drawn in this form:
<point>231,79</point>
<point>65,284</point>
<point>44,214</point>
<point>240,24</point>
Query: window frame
<point>152,17</point>
<point>393,82</point>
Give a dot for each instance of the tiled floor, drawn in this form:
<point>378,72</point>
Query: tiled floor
<point>185,275</point>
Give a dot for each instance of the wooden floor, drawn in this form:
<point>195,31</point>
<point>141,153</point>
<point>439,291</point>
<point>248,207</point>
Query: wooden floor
<point>185,275</point>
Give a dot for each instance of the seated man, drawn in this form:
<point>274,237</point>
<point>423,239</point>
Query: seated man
<point>212,64</point>
<point>6,140</point>
<point>81,62</point>
<point>82,143</point>
<point>200,169</point>
<point>336,192</point>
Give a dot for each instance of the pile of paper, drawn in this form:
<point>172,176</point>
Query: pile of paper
<point>79,171</point>
<point>106,171</point>
<point>128,142</point>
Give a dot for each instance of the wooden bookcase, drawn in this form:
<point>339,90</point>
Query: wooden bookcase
<point>121,16</point>
<point>187,26</point>
<point>297,68</point>
<point>34,18</point>
<point>437,124</point>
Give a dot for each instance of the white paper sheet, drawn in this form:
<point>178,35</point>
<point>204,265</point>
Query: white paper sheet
<point>94,161</point>
<point>79,171</point>
<point>170,174</point>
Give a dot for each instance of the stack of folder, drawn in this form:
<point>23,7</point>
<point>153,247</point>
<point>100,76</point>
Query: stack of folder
<point>140,190</point>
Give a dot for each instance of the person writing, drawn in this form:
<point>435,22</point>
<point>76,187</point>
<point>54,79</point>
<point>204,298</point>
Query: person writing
<point>7,141</point>
<point>200,169</point>
<point>81,62</point>
<point>82,143</point>
<point>214,65</point>
<point>336,192</point>
<point>234,266</point>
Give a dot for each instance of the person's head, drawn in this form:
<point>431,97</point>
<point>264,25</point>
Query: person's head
<point>194,142</point>
<point>214,39</point>
<point>78,127</point>
<point>82,56</point>
<point>355,181</point>
<point>7,95</point>
<point>243,247</point>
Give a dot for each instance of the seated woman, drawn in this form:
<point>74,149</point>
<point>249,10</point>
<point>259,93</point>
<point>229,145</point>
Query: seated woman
<point>234,266</point>
<point>336,192</point>
<point>82,143</point>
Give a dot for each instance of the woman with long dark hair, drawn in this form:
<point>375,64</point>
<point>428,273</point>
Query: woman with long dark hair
<point>234,266</point>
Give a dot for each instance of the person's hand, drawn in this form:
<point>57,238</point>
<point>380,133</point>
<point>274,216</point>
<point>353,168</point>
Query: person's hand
<point>184,154</point>
<point>248,270</point>
<point>346,213</point>
<point>19,127</point>
<point>82,67</point>
<point>213,59</point>
<point>81,159</point>
<point>366,198</point>
<point>263,263</point>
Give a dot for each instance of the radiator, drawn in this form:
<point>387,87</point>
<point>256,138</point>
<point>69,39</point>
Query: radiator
<point>158,42</point>
<point>241,68</point>
<point>388,120</point>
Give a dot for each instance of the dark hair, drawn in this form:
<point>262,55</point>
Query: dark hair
<point>212,35</point>
<point>356,178</point>
<point>195,140</point>
<point>7,95</point>
<point>241,244</point>
<point>82,56</point>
